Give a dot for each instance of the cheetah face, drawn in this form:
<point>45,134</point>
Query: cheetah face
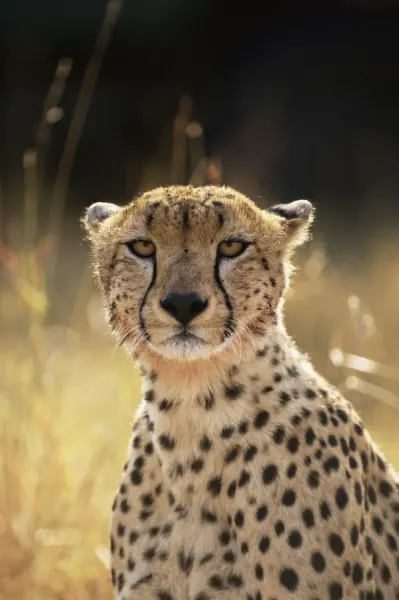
<point>185,271</point>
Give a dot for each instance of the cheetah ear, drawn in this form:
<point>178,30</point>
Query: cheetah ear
<point>97,213</point>
<point>296,219</point>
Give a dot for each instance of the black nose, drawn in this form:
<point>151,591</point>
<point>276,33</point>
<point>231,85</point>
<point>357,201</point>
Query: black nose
<point>184,307</point>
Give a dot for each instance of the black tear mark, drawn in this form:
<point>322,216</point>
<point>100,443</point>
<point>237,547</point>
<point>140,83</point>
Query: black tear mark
<point>221,219</point>
<point>229,326</point>
<point>141,318</point>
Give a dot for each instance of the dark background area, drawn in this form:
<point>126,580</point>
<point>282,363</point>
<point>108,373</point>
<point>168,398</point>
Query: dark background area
<point>298,100</point>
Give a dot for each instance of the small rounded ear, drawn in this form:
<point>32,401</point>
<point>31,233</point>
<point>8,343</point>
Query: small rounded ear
<point>296,219</point>
<point>97,213</point>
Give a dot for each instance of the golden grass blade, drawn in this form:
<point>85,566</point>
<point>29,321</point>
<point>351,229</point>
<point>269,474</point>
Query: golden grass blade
<point>370,389</point>
<point>79,115</point>
<point>361,363</point>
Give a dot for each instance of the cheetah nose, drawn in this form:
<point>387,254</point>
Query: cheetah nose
<point>184,307</point>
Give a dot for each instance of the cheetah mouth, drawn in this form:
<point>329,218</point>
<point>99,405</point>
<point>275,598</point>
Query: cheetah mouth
<point>184,345</point>
<point>184,336</point>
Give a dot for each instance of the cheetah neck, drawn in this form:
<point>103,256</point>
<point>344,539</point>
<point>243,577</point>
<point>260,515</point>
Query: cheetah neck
<point>240,371</point>
<point>182,401</point>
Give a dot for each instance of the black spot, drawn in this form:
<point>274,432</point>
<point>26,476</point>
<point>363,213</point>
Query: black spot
<point>264,544</point>
<point>386,574</point>
<point>250,453</point>
<point>344,446</point>
<point>365,461</point>
<point>357,574</point>
<point>342,415</point>
<point>341,498</point>
<point>125,506</point>
<point>121,581</point>
<point>244,478</point>
<point>323,417</point>
<point>234,391</point>
<point>209,401</point>
<point>335,591</point>
<point>331,464</point>
<point>270,473</point>
<point>136,477</point>
<point>165,405</point>
<point>239,518</point>
<point>215,486</point>
<point>186,561</point>
<point>325,511</point>
<point>216,582</point>
<point>207,516</point>
<point>358,493</point>
<point>149,554</point>
<point>205,443</point>
<point>293,445</point>
<point>232,454</point>
<point>279,528</point>
<point>261,419</point>
<point>243,427</point>
<point>206,558</point>
<point>308,517</point>
<point>288,498</point>
<point>259,572</point>
<point>244,548</point>
<point>310,436</point>
<point>234,580</point>
<point>291,470</point>
<point>227,432</point>
<point>197,465</point>
<point>386,488</point>
<point>313,479</point>
<point>289,579</point>
<point>167,442</point>
<point>261,513</point>
<point>278,435</point>
<point>295,539</point>
<point>231,490</point>
<point>284,397</point>
<point>318,562</point>
<point>378,525</point>
<point>147,499</point>
<point>149,396</point>
<point>164,595</point>
<point>336,544</point>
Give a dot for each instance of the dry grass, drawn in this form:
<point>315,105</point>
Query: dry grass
<point>67,398</point>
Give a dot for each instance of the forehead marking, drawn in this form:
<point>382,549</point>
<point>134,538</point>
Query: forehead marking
<point>186,223</point>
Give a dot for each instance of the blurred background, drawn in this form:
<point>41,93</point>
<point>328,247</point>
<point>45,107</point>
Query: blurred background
<point>102,100</point>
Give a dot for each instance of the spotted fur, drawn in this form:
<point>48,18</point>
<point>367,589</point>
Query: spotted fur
<point>248,476</point>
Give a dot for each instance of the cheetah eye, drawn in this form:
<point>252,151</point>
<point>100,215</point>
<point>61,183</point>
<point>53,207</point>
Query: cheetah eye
<point>231,248</point>
<point>141,248</point>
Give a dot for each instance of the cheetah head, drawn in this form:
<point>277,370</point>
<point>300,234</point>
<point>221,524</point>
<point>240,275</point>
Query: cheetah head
<point>185,272</point>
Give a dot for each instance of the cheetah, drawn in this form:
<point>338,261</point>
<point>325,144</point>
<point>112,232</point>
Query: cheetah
<point>249,476</point>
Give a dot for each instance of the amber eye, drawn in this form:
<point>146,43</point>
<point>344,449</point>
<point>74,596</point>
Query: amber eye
<point>231,248</point>
<point>142,248</point>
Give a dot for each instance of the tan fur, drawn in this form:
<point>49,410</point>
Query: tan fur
<point>248,476</point>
